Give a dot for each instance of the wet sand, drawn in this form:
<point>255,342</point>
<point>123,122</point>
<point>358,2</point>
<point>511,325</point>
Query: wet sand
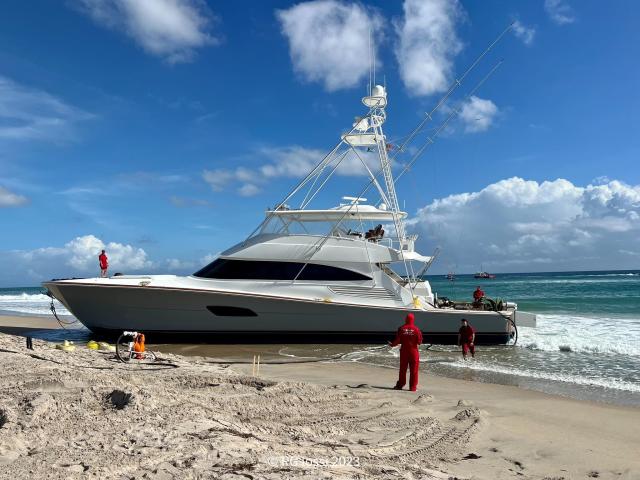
<point>82,414</point>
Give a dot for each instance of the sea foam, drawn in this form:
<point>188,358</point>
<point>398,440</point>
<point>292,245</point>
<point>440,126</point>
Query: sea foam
<point>32,304</point>
<point>583,334</point>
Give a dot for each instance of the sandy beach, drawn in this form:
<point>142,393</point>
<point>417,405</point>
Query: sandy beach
<point>85,415</point>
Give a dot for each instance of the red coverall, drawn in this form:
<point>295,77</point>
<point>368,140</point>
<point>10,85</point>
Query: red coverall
<point>104,263</point>
<point>466,339</point>
<point>478,294</point>
<point>409,337</point>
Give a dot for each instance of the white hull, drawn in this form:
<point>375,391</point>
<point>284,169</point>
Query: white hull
<point>117,307</point>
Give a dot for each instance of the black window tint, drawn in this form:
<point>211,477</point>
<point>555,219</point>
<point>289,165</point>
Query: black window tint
<point>256,270</point>
<point>325,272</point>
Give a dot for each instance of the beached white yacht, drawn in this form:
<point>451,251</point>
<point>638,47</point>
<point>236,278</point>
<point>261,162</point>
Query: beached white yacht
<point>350,272</point>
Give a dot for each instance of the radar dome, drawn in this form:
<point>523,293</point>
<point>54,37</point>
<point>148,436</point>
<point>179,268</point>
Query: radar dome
<point>378,91</point>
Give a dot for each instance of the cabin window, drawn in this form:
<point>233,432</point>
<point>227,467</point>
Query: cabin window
<point>264,270</point>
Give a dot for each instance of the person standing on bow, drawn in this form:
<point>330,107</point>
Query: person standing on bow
<point>408,337</point>
<point>467,339</point>
<point>104,264</point>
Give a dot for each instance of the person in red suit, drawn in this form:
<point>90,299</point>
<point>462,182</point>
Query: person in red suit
<point>408,337</point>
<point>467,339</point>
<point>478,295</point>
<point>104,264</point>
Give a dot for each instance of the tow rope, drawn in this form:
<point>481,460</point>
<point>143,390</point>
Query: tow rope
<point>52,307</point>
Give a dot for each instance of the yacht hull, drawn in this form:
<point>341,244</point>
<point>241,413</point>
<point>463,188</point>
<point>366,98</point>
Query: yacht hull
<point>226,316</point>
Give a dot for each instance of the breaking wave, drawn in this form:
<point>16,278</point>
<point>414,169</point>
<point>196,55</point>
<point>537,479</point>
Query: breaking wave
<point>581,334</point>
<point>31,304</point>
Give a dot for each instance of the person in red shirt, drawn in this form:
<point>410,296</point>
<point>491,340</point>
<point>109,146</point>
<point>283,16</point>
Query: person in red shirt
<point>478,295</point>
<point>104,264</point>
<point>408,337</point>
<point>467,338</point>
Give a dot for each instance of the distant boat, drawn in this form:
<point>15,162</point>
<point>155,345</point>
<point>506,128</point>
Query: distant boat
<point>484,275</point>
<point>450,276</point>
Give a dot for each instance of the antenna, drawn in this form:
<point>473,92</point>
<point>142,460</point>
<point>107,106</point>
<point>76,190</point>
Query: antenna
<point>370,63</point>
<point>373,55</point>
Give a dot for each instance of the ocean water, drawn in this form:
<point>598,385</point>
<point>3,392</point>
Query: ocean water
<point>586,344</point>
<point>28,301</point>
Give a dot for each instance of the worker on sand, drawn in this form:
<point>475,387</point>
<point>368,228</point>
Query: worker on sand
<point>104,264</point>
<point>409,337</point>
<point>467,339</point>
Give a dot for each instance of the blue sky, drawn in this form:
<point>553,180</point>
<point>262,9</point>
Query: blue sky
<point>164,128</point>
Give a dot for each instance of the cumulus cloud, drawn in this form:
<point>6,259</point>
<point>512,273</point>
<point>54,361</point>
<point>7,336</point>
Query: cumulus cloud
<point>170,29</point>
<point>524,33</point>
<point>559,11</point>
<point>32,114</point>
<point>428,44</point>
<point>284,162</point>
<point>78,257</point>
<point>478,114</point>
<point>10,199</point>
<point>515,224</point>
<point>179,266</point>
<point>329,41</point>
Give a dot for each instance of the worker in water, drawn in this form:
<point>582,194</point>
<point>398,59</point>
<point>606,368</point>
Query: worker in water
<point>104,264</point>
<point>467,339</point>
<point>478,295</point>
<point>408,337</point>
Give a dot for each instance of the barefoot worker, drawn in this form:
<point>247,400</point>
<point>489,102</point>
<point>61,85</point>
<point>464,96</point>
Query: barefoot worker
<point>467,338</point>
<point>409,337</point>
<point>104,264</point>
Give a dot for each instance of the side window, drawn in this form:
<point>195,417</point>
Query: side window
<point>256,270</point>
<point>324,272</point>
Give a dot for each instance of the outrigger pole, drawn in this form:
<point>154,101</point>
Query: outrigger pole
<point>455,112</point>
<point>430,141</point>
<point>454,86</point>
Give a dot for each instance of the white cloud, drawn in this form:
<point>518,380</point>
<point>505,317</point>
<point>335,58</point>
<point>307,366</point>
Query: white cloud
<point>31,114</point>
<point>559,11</point>
<point>524,33</point>
<point>518,224</point>
<point>427,44</point>
<point>329,41</point>
<point>284,162</point>
<point>170,29</point>
<point>293,161</point>
<point>208,258</point>
<point>478,114</point>
<point>10,199</point>
<point>179,266</point>
<point>218,178</point>
<point>182,202</point>
<point>249,190</point>
<point>78,257</point>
